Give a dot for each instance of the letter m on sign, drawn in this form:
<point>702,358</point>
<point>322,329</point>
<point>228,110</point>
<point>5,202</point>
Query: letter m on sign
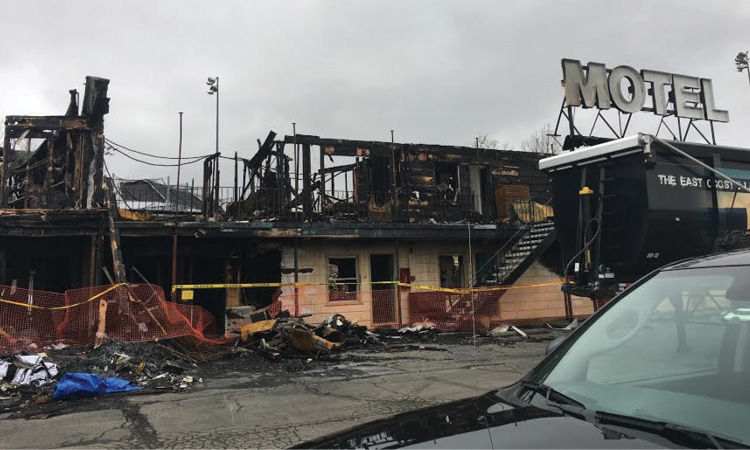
<point>589,90</point>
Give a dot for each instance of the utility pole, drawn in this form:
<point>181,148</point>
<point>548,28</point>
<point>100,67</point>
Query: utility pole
<point>179,166</point>
<point>296,161</point>
<point>213,88</point>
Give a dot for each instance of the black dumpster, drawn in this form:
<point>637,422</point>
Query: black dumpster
<point>628,206</point>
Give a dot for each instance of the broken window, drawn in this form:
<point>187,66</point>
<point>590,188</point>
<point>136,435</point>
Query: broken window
<point>446,181</point>
<point>342,278</point>
<point>451,271</point>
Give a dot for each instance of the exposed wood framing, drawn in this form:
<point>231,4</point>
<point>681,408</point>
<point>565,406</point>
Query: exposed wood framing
<point>65,170</point>
<point>114,236</point>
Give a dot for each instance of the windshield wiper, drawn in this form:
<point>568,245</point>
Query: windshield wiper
<point>694,436</point>
<point>557,399</point>
<point>688,435</point>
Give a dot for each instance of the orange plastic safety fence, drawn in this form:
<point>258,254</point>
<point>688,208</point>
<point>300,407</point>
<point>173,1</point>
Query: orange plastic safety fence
<point>20,325</point>
<point>455,312</point>
<point>77,318</point>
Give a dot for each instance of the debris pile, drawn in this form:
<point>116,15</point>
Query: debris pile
<point>158,365</point>
<point>25,376</point>
<point>27,370</point>
<point>423,328</point>
<point>291,337</point>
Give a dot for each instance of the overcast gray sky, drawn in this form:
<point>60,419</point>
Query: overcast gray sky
<point>434,71</point>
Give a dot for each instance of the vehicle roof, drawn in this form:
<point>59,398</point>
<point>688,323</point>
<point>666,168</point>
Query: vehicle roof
<point>733,258</point>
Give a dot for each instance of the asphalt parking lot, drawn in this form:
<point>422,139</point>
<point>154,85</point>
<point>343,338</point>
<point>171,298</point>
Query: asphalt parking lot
<point>250,402</point>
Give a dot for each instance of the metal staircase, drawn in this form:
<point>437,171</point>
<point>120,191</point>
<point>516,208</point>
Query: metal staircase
<point>506,266</point>
<point>529,244</point>
<point>503,267</point>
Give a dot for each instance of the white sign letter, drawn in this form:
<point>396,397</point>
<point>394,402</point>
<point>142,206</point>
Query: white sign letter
<point>683,96</point>
<point>709,103</point>
<point>589,90</point>
<point>658,80</point>
<point>627,104</point>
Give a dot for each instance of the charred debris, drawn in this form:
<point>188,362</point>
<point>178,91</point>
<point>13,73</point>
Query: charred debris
<point>381,181</point>
<point>66,223</point>
<point>63,218</point>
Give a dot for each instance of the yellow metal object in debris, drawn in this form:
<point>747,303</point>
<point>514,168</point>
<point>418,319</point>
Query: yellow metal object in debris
<point>257,327</point>
<point>307,341</point>
<point>586,191</point>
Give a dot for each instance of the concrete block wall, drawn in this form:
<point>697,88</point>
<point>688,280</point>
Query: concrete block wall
<point>422,259</point>
<point>314,299</point>
<point>539,302</point>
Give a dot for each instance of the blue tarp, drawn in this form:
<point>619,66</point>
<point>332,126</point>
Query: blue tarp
<point>89,384</point>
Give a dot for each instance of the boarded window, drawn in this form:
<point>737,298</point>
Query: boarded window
<point>451,271</point>
<point>342,279</point>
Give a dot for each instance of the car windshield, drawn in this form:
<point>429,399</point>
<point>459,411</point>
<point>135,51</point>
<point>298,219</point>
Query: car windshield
<point>674,349</point>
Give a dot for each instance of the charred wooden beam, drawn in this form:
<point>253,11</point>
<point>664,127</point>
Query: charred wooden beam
<point>306,181</point>
<point>342,168</point>
<point>280,163</point>
<point>114,235</point>
<point>95,102</point>
<point>5,172</point>
<point>48,174</point>
<point>16,125</point>
<point>97,194</point>
<point>322,174</point>
<point>347,147</point>
<point>263,152</point>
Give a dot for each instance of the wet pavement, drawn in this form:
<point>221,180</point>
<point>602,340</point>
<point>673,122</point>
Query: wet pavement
<point>248,401</point>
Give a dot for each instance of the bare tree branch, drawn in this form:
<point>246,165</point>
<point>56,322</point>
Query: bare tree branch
<point>541,141</point>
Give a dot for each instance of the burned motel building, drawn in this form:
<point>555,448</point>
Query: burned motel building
<point>360,216</point>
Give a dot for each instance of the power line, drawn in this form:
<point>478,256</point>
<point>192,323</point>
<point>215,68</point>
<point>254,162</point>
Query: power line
<point>122,147</point>
<point>114,184</point>
<point>155,164</point>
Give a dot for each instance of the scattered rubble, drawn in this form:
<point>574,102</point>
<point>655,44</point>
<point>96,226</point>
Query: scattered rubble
<point>422,327</point>
<point>158,365</point>
<point>25,377</point>
<point>27,370</point>
<point>569,327</point>
<point>176,364</point>
<point>291,337</point>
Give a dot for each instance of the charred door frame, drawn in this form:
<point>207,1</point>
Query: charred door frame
<point>380,287</point>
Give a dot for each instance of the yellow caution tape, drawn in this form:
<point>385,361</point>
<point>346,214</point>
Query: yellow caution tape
<point>55,308</point>
<point>188,290</point>
<point>192,287</point>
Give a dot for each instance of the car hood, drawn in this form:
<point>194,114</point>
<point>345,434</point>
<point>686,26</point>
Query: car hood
<point>486,422</point>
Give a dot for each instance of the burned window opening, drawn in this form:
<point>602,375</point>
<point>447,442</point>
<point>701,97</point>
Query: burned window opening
<point>446,181</point>
<point>451,271</point>
<point>343,280</point>
<point>261,266</point>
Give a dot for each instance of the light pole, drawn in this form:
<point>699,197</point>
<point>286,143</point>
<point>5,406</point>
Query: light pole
<point>213,88</point>
<point>742,61</point>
